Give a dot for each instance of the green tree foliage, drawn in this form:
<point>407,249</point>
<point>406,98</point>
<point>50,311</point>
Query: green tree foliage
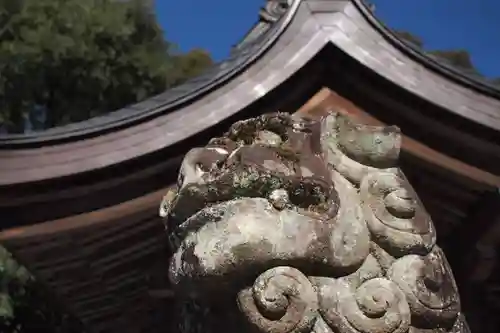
<point>77,59</point>
<point>409,37</point>
<point>189,65</point>
<point>496,81</point>
<point>13,278</point>
<point>459,59</point>
<point>25,305</point>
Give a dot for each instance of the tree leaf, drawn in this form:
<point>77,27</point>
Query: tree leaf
<point>6,309</point>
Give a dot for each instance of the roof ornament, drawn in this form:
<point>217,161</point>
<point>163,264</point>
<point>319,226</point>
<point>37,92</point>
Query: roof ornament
<point>273,10</point>
<point>269,14</point>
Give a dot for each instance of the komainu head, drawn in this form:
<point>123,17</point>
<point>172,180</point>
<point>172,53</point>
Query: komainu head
<point>303,225</point>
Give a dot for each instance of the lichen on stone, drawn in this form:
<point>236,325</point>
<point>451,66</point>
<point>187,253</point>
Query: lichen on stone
<point>294,225</point>
<point>252,167</point>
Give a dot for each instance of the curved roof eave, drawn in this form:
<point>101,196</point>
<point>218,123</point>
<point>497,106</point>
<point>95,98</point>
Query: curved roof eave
<point>169,101</point>
<point>414,52</point>
<point>255,43</point>
<point>417,72</point>
<point>307,27</point>
<point>288,48</point>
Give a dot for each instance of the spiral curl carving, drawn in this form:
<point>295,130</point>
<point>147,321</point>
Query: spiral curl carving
<point>355,150</point>
<point>377,305</point>
<point>281,300</point>
<point>323,196</point>
<point>397,220</point>
<point>429,287</point>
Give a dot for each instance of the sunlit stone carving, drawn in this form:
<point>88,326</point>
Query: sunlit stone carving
<point>288,224</point>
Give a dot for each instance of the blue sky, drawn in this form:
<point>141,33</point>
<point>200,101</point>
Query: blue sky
<point>215,25</point>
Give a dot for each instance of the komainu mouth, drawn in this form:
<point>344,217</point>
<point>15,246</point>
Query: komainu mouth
<point>287,224</point>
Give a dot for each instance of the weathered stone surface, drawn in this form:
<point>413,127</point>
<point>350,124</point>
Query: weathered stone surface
<point>293,225</point>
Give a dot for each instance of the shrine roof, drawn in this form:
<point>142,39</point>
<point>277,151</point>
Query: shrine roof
<point>244,53</point>
<point>275,17</point>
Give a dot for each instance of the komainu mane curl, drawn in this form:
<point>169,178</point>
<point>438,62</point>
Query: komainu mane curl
<point>287,224</point>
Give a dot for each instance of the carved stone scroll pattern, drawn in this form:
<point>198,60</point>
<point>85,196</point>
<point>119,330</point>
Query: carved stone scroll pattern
<point>288,224</point>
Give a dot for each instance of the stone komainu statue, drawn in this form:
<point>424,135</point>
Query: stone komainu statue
<point>288,224</point>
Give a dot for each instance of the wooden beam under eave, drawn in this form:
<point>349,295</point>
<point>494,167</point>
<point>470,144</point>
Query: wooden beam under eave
<point>473,254</point>
<point>96,218</point>
<point>476,242</point>
<point>326,100</point>
<point>80,238</point>
<point>161,293</point>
